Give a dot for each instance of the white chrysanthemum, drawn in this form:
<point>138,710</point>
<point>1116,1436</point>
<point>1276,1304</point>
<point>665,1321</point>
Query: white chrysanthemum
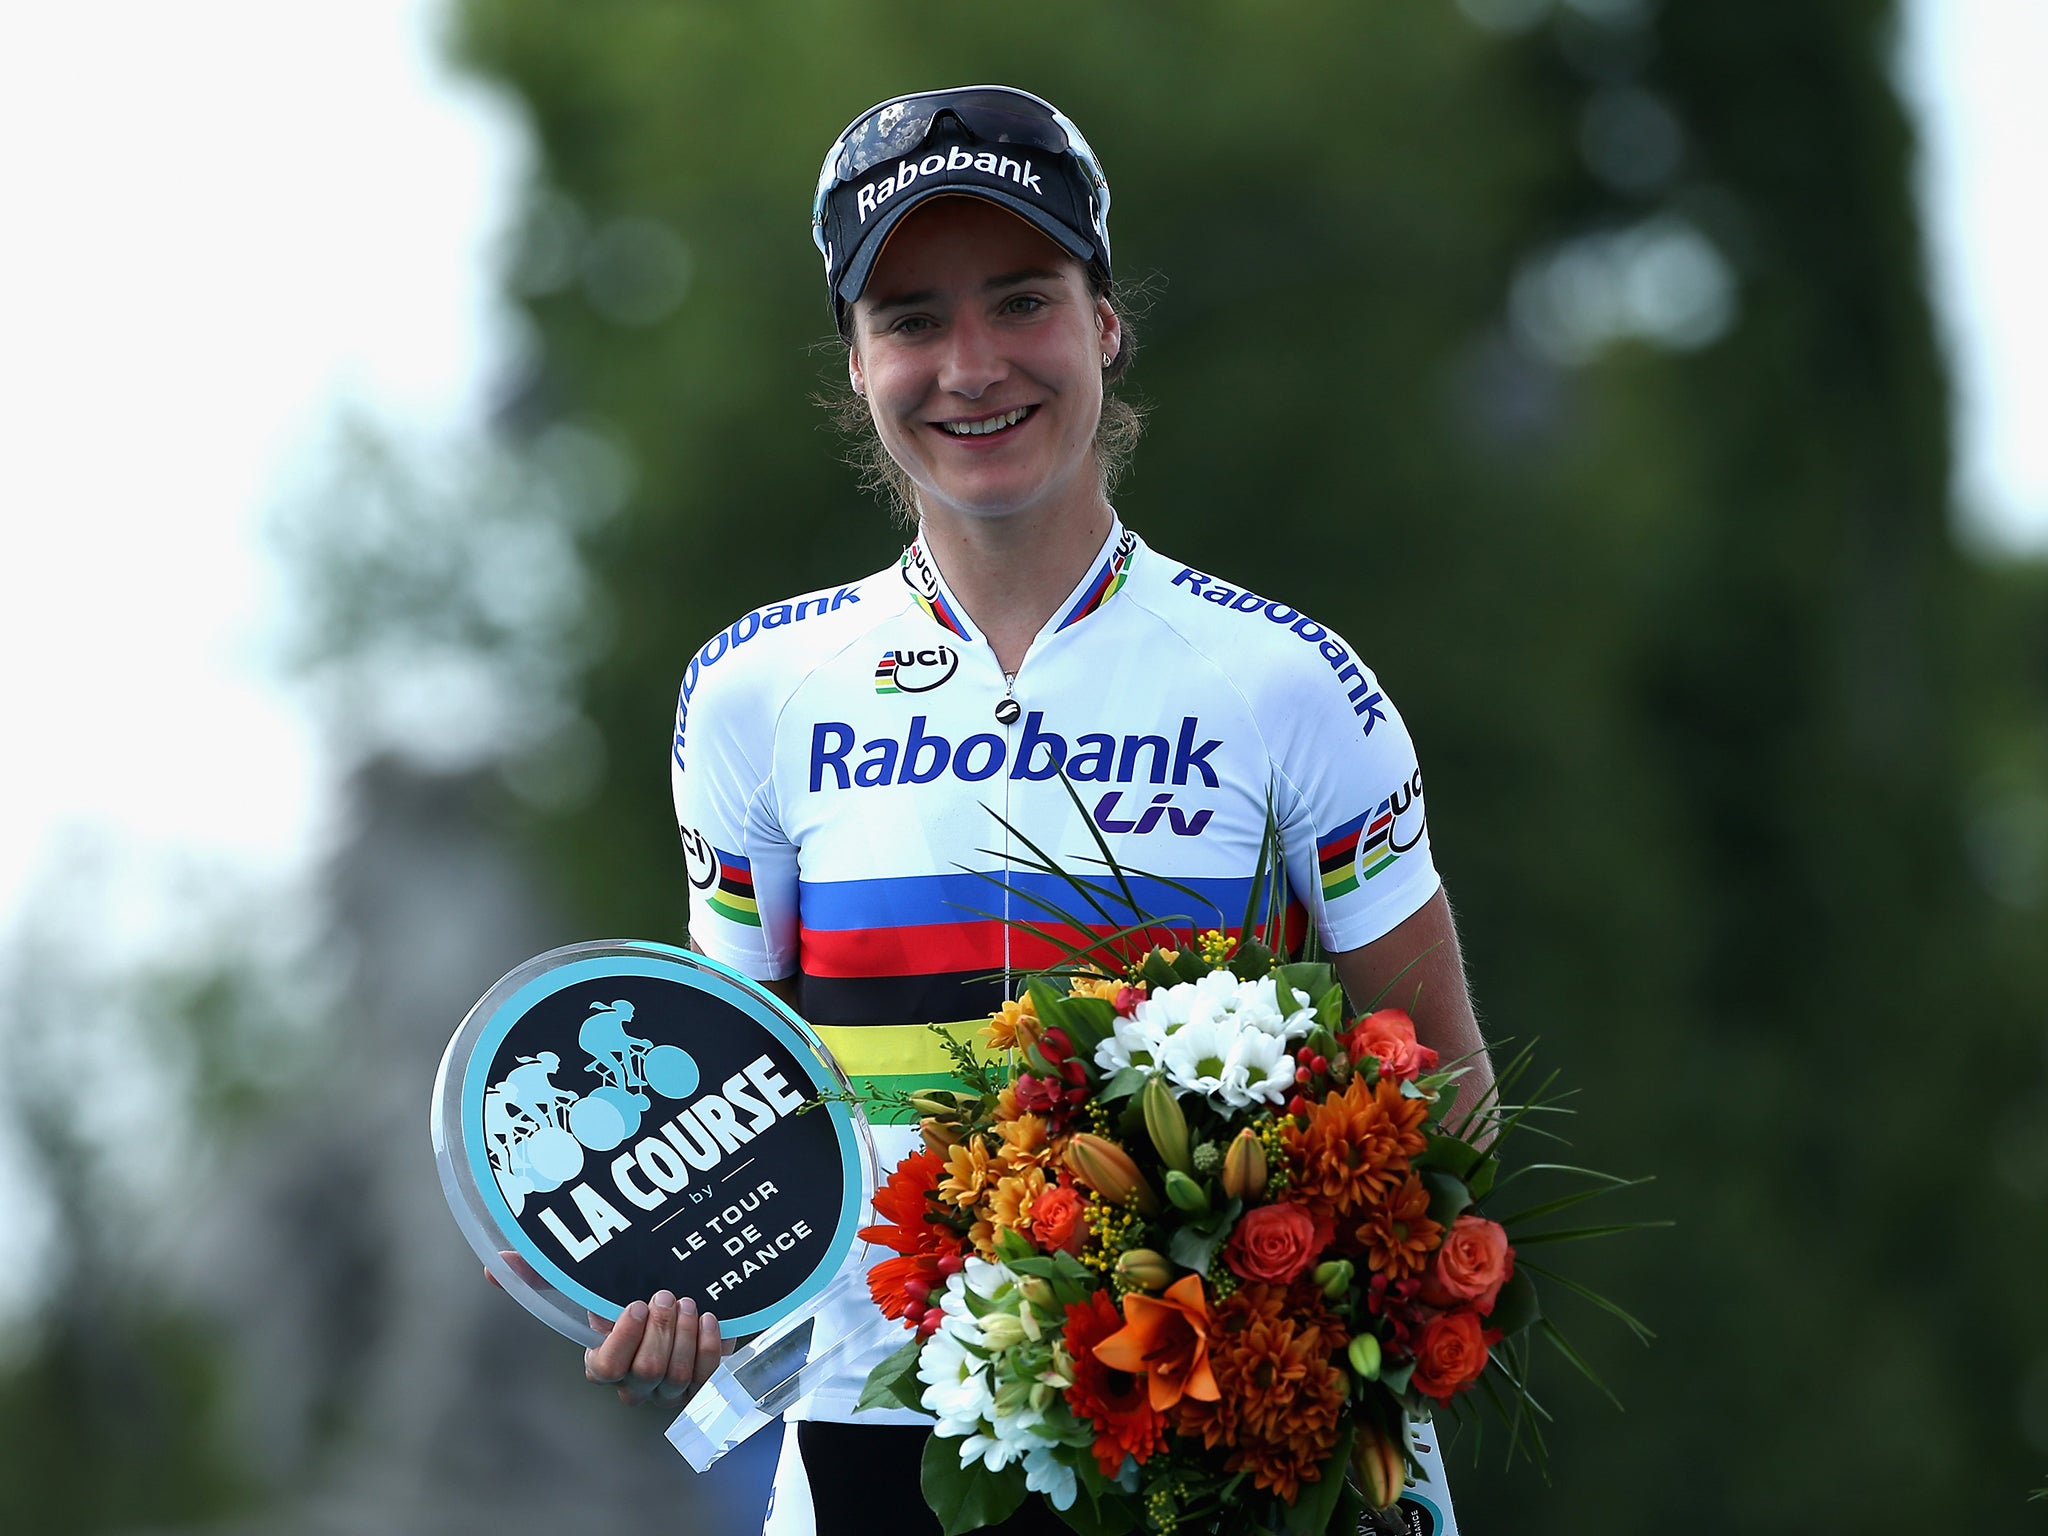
<point>1220,1058</point>
<point>1045,1473</point>
<point>1131,1042</point>
<point>1259,1006</point>
<point>1004,1437</point>
<point>956,1384</point>
<point>989,1281</point>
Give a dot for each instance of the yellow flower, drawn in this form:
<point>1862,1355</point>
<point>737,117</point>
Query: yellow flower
<point>1014,1026</point>
<point>1011,1202</point>
<point>1025,1143</point>
<point>967,1174</point>
<point>1104,987</point>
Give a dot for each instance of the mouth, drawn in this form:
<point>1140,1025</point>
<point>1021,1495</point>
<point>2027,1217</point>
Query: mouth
<point>987,426</point>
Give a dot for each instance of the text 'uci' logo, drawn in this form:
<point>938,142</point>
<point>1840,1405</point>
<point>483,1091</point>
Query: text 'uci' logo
<point>915,671</point>
<point>700,860</point>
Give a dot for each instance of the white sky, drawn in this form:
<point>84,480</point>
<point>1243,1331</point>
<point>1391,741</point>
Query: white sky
<point>229,216</point>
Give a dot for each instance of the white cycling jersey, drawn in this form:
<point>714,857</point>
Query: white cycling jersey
<point>857,781</point>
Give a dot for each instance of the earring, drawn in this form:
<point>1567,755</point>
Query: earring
<point>1108,358</point>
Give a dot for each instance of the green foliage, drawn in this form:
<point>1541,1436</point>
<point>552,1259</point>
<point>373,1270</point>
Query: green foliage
<point>967,1498</point>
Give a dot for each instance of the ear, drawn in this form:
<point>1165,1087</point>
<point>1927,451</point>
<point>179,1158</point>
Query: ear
<point>854,373</point>
<point>1109,328</point>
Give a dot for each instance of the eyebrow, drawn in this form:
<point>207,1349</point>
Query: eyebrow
<point>995,284</point>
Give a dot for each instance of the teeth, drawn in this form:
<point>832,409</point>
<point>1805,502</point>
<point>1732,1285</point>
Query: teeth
<point>983,428</point>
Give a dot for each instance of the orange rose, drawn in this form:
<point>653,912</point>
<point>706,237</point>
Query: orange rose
<point>1056,1220</point>
<point>1389,1037</point>
<point>1474,1262</point>
<point>1274,1243</point>
<point>1451,1354</point>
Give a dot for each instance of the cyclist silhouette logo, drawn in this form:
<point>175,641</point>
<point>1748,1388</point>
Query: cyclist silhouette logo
<point>626,1063</point>
<point>536,1131</point>
<point>526,1133</point>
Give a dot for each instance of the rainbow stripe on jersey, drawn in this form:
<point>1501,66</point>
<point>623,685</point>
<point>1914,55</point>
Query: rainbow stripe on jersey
<point>733,896</point>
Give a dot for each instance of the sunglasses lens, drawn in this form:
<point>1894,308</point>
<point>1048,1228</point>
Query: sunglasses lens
<point>995,117</point>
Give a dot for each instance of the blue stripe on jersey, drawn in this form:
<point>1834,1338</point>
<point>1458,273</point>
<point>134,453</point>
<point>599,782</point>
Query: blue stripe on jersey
<point>914,900</point>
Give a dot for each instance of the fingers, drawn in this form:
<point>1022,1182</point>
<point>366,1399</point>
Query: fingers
<point>695,1356</point>
<point>708,1351</point>
<point>611,1358</point>
<point>524,1271</point>
<point>660,1350</point>
<point>658,1346</point>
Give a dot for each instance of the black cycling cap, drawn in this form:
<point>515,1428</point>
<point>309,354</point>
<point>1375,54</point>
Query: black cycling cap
<point>986,141</point>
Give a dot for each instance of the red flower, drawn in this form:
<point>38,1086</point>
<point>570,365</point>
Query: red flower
<point>1115,1402</point>
<point>905,1204</point>
<point>1273,1243</point>
<point>1451,1354</point>
<point>905,1280</point>
<point>1056,1220</point>
<point>920,1241</point>
<point>1474,1262</point>
<point>1389,1038</point>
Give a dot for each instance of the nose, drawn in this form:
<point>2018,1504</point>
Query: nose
<point>973,358</point>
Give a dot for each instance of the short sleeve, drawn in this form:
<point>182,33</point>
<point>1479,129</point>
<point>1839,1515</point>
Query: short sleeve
<point>1355,831</point>
<point>742,869</point>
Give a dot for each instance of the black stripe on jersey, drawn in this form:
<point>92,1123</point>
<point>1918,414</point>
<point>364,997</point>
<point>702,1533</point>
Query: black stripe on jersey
<point>898,999</point>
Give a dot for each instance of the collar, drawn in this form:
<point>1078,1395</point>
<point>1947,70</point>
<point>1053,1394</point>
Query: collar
<point>1106,576</point>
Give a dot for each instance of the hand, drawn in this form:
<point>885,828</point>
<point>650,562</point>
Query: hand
<point>659,1351</point>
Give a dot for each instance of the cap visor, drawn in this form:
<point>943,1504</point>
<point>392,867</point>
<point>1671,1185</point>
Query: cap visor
<point>855,278</point>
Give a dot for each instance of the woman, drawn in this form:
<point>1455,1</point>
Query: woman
<point>856,759</point>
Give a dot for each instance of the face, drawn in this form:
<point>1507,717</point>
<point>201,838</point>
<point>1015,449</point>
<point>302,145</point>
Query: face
<point>979,349</point>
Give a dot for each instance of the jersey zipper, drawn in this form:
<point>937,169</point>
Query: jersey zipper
<point>1010,745</point>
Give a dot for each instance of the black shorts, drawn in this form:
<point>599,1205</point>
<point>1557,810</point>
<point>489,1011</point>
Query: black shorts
<point>864,1479</point>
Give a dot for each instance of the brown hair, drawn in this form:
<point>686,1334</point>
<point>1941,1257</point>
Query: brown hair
<point>1116,433</point>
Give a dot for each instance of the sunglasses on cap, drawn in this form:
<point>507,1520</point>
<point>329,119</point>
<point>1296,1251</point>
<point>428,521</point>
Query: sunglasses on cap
<point>994,114</point>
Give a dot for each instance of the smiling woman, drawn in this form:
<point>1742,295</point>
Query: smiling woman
<point>865,776</point>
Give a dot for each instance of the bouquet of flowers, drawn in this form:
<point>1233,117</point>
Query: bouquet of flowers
<point>1189,1247</point>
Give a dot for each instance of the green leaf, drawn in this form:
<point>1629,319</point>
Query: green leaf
<point>1188,965</point>
<point>1158,971</point>
<point>1395,1377</point>
<point>1330,1008</point>
<point>1564,1347</point>
<point>1455,1157</point>
<point>1565,1202</point>
<point>1313,979</point>
<point>1194,1245</point>
<point>1518,1304</point>
<point>1634,1325</point>
<point>1125,1082</point>
<point>893,1383</point>
<point>1448,1196</point>
<point>1050,1006</point>
<point>1480,1180</point>
<point>967,1498</point>
<point>1250,960</point>
<point>1350,1514</point>
<point>1580,1234</point>
<point>1089,1021</point>
<point>1093,1516</point>
<point>1311,1513</point>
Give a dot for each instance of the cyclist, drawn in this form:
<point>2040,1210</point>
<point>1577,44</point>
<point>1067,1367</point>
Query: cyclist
<point>841,753</point>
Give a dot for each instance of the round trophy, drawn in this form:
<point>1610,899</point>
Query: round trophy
<point>622,1117</point>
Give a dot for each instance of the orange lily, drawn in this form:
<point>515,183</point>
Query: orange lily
<point>1165,1339</point>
